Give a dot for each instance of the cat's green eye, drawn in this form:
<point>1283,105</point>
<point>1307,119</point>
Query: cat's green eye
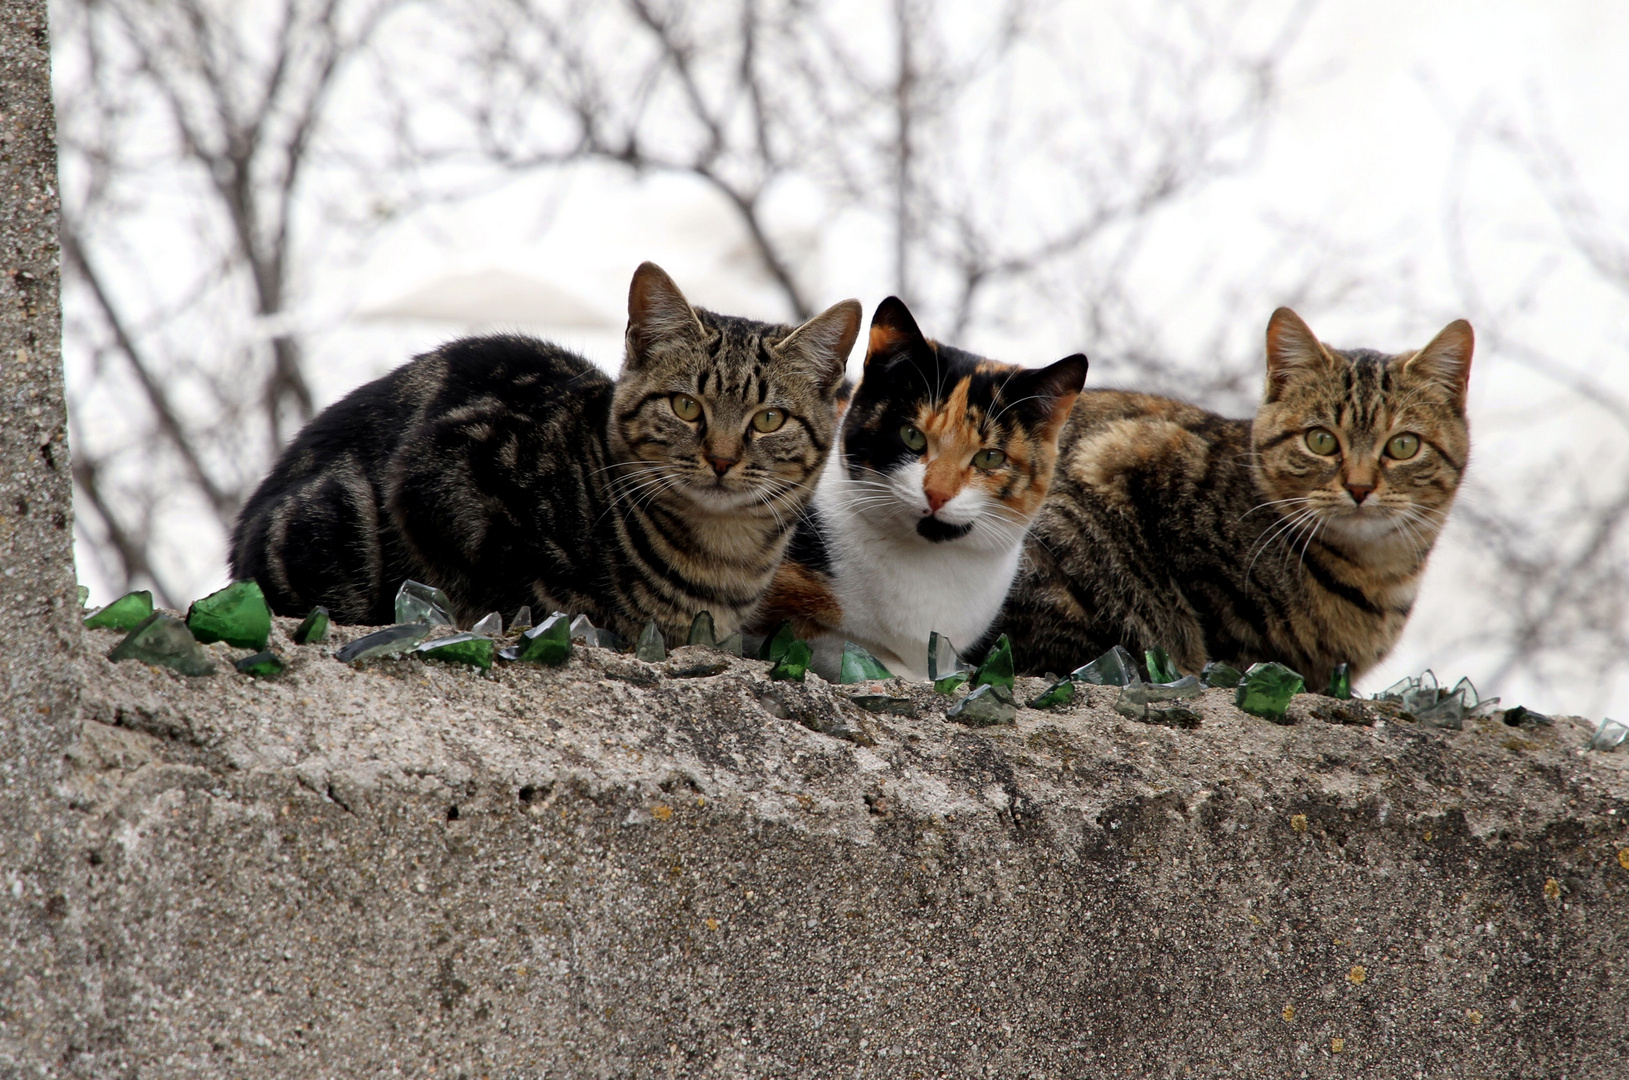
<point>685,407</point>
<point>1402,447</point>
<point>1321,441</point>
<point>912,437</point>
<point>767,420</point>
<point>990,458</point>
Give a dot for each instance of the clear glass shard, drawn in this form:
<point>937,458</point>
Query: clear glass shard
<point>702,631</point>
<point>1114,668</point>
<point>583,631</point>
<point>421,603</point>
<point>391,641</point>
<point>1609,736</point>
<point>734,645</point>
<point>522,619</point>
<point>651,647</point>
<point>986,706</point>
<point>165,641</point>
<point>488,625</point>
<point>943,660</point>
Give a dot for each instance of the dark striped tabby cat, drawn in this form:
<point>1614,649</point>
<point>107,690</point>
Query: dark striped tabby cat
<point>508,471</point>
<point>918,524</point>
<point>1299,536</point>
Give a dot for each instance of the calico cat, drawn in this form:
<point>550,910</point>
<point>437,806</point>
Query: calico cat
<point>508,471</point>
<point>1299,536</point>
<point>919,520</point>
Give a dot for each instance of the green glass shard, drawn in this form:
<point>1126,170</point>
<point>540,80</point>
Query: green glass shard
<point>164,640</point>
<point>989,704</point>
<point>1160,668</point>
<point>997,669</point>
<point>1340,683</point>
<point>883,703</point>
<point>84,594</point>
<point>546,644</point>
<point>460,649</point>
<point>943,660</point>
<point>1113,668</point>
<point>314,628</point>
<point>860,666</point>
<point>262,665</point>
<point>237,615</point>
<point>418,602</point>
<point>391,641</point>
<point>1217,673</point>
<point>1059,693</point>
<point>1266,690</point>
<point>651,647</point>
<point>794,662</point>
<point>488,625</point>
<point>732,645</point>
<point>951,683</point>
<point>701,630</point>
<point>775,646</point>
<point>126,613</point>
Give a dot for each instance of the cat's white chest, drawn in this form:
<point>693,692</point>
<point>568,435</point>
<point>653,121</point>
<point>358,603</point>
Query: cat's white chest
<point>896,589</point>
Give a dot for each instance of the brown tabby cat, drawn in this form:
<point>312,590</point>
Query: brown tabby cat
<point>1299,536</point>
<point>508,471</point>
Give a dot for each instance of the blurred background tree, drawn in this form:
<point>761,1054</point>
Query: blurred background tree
<point>268,202</point>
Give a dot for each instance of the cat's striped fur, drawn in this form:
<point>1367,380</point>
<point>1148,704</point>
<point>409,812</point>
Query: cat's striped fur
<point>508,471</point>
<point>1241,540</point>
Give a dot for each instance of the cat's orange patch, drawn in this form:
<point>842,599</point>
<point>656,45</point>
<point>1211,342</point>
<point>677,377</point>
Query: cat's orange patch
<point>804,597</point>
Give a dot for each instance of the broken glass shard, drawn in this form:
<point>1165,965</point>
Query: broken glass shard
<point>1340,683</point>
<point>546,644</point>
<point>732,645</point>
<point>943,660</point>
<point>164,640</point>
<point>1522,716</point>
<point>1266,690</point>
<point>949,684</point>
<point>488,625</point>
<point>989,704</point>
<point>522,619</point>
<point>1609,736</point>
<point>84,594</point>
<point>858,665</point>
<point>1160,668</point>
<point>583,632</point>
<point>793,663</point>
<point>883,703</point>
<point>391,641</point>
<point>1113,668</point>
<point>262,665</point>
<point>1059,693</point>
<point>237,615</point>
<point>313,628</point>
<point>418,602</point>
<point>702,631</point>
<point>1217,673</point>
<point>1135,698</point>
<point>607,639</point>
<point>126,613</point>
<point>997,669</point>
<point>701,669</point>
<point>460,649</point>
<point>775,646</point>
<point>651,647</point>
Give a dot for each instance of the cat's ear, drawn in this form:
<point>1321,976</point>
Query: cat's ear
<point>657,311</point>
<point>1447,360</point>
<point>1044,396</point>
<point>824,343</point>
<point>1291,348</point>
<point>894,333</point>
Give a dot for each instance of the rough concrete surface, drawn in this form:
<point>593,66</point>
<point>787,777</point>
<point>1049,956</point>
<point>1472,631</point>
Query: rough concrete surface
<point>605,870</point>
<point>38,627</point>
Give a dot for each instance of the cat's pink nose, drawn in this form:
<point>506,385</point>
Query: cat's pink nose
<point>935,501</point>
<point>721,465</point>
<point>1359,492</point>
